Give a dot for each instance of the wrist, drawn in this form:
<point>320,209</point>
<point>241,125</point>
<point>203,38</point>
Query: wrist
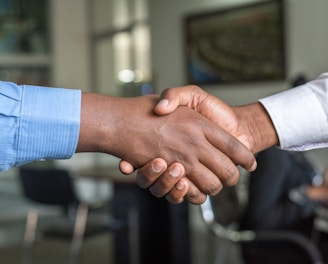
<point>95,129</point>
<point>256,126</point>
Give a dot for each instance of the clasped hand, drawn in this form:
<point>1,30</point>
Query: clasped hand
<point>204,155</point>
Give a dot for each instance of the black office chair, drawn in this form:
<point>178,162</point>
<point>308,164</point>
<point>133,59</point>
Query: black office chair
<point>221,215</point>
<point>55,187</point>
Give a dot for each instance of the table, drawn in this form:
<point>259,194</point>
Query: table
<point>158,232</point>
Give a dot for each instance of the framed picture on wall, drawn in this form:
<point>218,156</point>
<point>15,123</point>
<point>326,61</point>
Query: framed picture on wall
<point>236,45</point>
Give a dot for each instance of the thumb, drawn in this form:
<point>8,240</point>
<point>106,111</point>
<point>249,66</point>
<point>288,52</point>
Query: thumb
<point>171,98</point>
<point>126,167</point>
<point>164,106</point>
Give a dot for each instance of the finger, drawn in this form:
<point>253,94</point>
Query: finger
<point>222,168</point>
<point>149,173</point>
<point>194,195</point>
<point>217,160</point>
<point>206,181</point>
<point>231,147</point>
<point>168,180</point>
<point>177,193</point>
<point>126,167</point>
<point>171,98</point>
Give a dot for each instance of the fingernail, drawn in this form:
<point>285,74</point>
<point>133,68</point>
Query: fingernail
<point>253,167</point>
<point>180,185</point>
<point>175,172</point>
<point>157,167</point>
<point>163,103</point>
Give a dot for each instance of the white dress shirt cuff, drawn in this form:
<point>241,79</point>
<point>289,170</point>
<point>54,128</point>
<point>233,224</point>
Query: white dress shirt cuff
<point>299,118</point>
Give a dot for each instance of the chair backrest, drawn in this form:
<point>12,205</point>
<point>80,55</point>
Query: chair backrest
<point>222,214</point>
<point>50,186</point>
<point>294,243</point>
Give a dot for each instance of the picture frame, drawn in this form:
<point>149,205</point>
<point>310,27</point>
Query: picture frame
<point>236,45</point>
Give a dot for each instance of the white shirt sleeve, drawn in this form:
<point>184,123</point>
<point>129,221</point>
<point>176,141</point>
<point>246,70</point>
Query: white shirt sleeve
<point>300,115</point>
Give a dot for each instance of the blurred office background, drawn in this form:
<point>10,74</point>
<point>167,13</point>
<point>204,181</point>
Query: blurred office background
<point>129,48</point>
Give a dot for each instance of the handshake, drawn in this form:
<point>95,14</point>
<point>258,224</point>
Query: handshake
<point>197,139</point>
<point>187,144</point>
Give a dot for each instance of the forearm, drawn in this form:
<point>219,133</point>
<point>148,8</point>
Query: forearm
<point>92,126</point>
<point>104,122</point>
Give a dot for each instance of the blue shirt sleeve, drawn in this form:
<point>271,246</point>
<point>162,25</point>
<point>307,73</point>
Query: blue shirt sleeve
<point>37,123</point>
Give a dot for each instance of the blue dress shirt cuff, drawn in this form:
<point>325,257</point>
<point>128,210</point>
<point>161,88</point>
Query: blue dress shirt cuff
<point>49,123</point>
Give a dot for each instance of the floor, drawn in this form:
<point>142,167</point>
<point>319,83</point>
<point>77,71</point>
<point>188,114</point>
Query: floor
<point>13,209</point>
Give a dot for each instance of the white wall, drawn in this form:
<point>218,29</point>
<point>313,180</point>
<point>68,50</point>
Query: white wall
<point>70,44</point>
<point>307,47</point>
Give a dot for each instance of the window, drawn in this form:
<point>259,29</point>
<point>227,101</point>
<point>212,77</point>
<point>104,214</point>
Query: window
<point>120,47</point>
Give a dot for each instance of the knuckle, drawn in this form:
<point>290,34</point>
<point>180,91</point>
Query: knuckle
<point>215,188</point>
<point>165,92</point>
<point>233,180</point>
<point>231,176</point>
<point>173,200</point>
<point>195,197</point>
<point>194,87</point>
<point>250,161</point>
<point>194,142</point>
<point>191,196</point>
<point>196,139</point>
<point>155,192</point>
<point>234,145</point>
<point>142,182</point>
<point>240,154</point>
